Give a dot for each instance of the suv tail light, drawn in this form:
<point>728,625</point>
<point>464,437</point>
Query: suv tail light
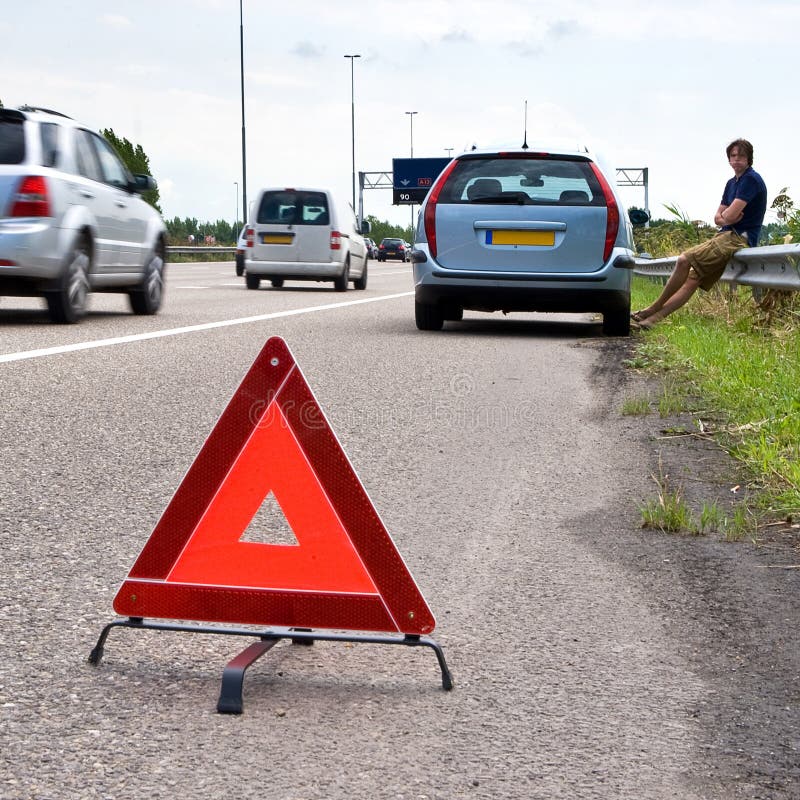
<point>430,207</point>
<point>612,217</point>
<point>32,199</point>
<point>336,240</point>
<point>250,237</point>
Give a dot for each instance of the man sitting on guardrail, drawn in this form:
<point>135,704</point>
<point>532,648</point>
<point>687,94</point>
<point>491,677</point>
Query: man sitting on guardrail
<point>740,217</point>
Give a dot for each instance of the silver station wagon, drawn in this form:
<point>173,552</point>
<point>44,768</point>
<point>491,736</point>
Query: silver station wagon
<point>523,230</point>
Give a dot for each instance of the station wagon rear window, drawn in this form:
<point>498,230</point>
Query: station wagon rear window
<point>523,181</point>
<point>291,207</point>
<point>12,141</point>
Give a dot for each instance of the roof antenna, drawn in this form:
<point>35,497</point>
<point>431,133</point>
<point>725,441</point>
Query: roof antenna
<point>525,128</point>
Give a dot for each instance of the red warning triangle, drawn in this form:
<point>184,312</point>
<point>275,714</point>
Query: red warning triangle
<point>344,572</point>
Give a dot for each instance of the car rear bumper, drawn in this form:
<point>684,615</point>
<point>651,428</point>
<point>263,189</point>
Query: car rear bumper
<point>296,270</point>
<point>607,289</point>
<point>31,247</point>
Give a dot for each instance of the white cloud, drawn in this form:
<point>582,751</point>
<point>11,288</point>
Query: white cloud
<point>116,21</point>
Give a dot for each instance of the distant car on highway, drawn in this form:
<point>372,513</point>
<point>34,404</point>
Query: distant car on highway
<point>372,248</point>
<point>72,219</point>
<point>305,235</point>
<point>539,229</point>
<point>241,246</point>
<point>392,247</point>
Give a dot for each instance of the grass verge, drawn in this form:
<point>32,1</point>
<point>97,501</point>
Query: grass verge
<point>734,364</point>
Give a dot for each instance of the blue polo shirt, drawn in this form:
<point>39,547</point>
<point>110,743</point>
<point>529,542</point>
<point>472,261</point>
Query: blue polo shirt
<point>751,188</point>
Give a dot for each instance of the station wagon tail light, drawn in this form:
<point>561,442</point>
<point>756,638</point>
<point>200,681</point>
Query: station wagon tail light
<point>250,237</point>
<point>32,199</point>
<point>612,216</point>
<point>430,207</point>
<point>336,240</point>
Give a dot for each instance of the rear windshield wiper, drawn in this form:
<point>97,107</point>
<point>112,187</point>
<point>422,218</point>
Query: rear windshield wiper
<point>507,198</point>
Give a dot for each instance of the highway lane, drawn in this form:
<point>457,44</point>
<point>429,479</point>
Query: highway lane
<point>496,457</point>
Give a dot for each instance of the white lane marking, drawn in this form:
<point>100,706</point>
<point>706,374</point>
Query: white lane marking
<point>207,326</point>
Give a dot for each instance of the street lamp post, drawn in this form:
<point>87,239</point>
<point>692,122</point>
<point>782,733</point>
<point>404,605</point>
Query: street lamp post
<point>411,120</point>
<point>244,148</point>
<point>353,120</point>
<point>449,151</point>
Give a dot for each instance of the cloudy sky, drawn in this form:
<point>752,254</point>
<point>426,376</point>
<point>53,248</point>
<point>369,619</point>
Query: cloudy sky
<point>664,86</point>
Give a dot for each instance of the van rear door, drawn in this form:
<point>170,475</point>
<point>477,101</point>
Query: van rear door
<point>292,225</point>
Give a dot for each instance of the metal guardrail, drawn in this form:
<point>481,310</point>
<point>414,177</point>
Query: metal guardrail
<point>772,267</point>
<point>190,249</point>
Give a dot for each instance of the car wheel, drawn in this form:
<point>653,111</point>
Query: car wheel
<point>428,317</point>
<point>341,281</point>
<point>276,283</point>
<point>239,266</point>
<point>617,322</point>
<point>67,304</point>
<point>361,283</point>
<point>252,281</point>
<point>146,298</point>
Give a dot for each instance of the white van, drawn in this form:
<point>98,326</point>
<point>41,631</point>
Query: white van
<point>304,235</point>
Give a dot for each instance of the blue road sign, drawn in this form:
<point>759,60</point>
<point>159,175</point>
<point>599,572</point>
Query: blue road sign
<point>413,177</point>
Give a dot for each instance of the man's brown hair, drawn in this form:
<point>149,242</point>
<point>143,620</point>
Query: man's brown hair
<point>744,147</point>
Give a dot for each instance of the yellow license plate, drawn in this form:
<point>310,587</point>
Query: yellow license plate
<point>277,238</point>
<point>525,238</point>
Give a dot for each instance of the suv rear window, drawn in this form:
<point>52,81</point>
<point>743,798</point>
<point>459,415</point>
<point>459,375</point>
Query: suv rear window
<point>525,180</point>
<point>290,207</point>
<point>12,141</point>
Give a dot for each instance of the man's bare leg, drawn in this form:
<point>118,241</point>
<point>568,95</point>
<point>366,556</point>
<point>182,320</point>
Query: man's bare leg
<point>678,299</point>
<point>678,278</point>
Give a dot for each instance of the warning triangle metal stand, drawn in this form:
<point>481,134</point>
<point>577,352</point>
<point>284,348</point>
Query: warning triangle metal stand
<point>230,698</point>
<point>343,579</point>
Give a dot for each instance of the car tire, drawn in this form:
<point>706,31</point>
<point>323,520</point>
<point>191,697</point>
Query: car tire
<point>428,317</point>
<point>239,266</point>
<point>147,297</point>
<point>361,283</point>
<point>252,281</point>
<point>340,281</point>
<point>617,322</point>
<point>67,304</point>
<point>276,283</point>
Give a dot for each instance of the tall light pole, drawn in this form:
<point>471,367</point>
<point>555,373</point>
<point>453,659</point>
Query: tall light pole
<point>353,120</point>
<point>449,151</point>
<point>244,147</point>
<point>411,120</point>
<point>236,218</point>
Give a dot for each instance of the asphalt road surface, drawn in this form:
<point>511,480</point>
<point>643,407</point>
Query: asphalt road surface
<point>591,659</point>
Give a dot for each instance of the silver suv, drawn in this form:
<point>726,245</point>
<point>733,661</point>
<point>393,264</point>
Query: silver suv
<point>523,230</point>
<point>72,219</point>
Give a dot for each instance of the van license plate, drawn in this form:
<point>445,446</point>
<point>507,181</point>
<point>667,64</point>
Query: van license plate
<point>277,238</point>
<point>524,238</point>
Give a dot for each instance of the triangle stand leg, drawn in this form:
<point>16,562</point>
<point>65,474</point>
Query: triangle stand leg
<point>230,696</point>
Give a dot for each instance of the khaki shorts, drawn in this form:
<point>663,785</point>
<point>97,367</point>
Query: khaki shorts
<point>707,261</point>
